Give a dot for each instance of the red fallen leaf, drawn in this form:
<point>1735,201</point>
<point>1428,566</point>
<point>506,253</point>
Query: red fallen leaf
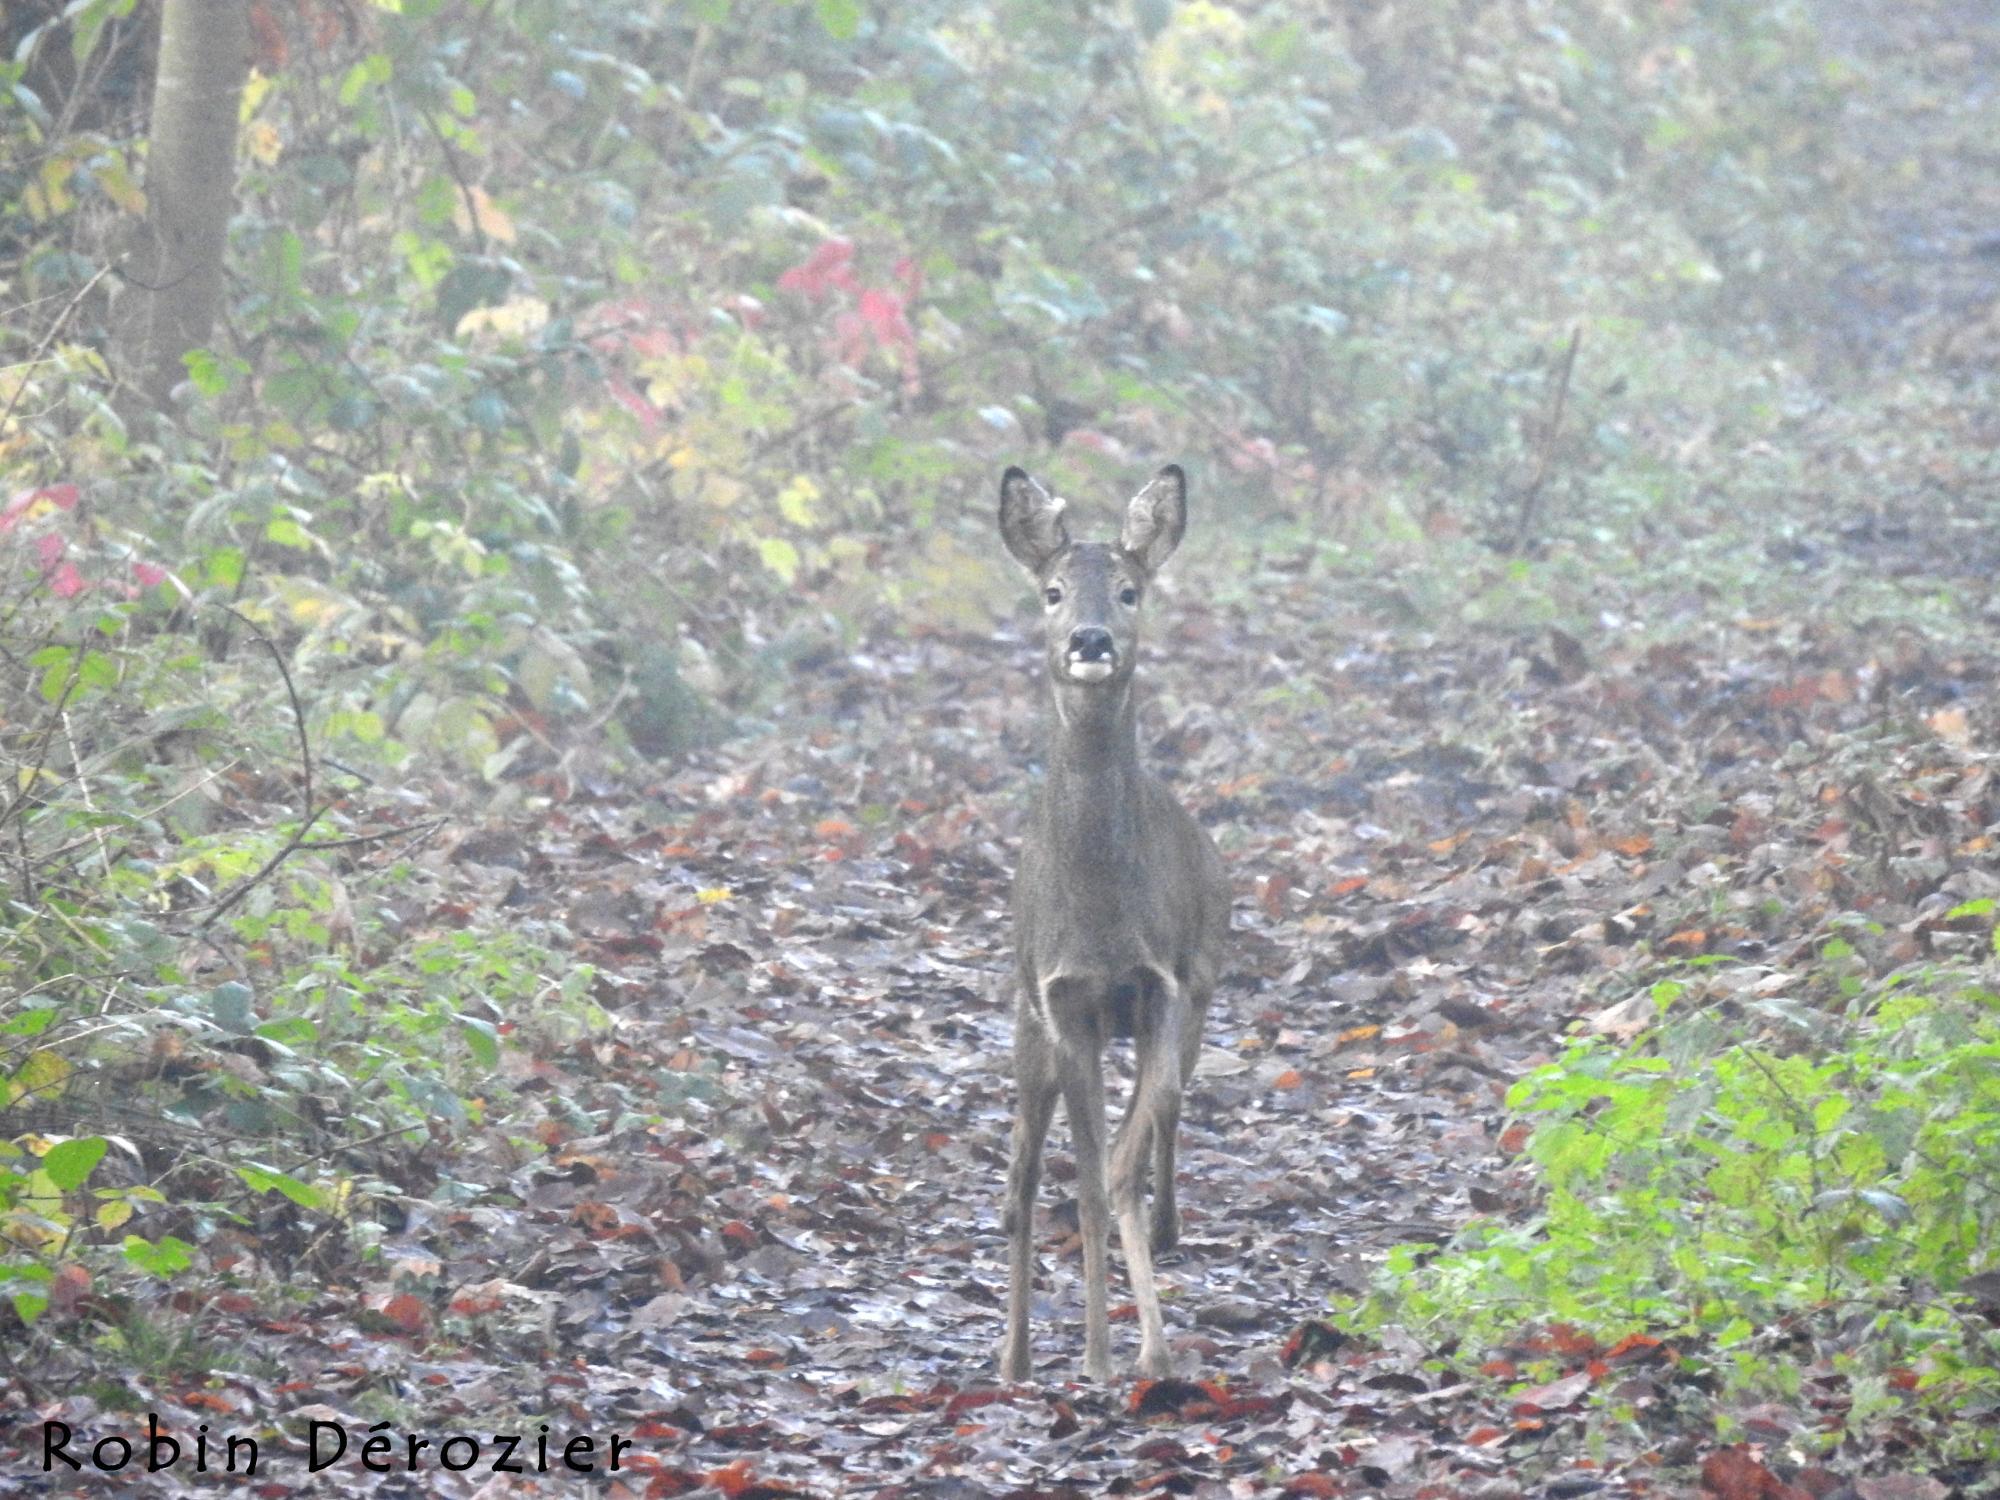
<point>1347,887</point>
<point>1310,1343</point>
<point>406,1313</point>
<point>208,1401</point>
<point>671,1482</point>
<point>765,1357</point>
<point>1065,1423</point>
<point>1687,940</point>
<point>1567,1338</point>
<point>966,1401</point>
<point>1291,1078</point>
<point>1633,847</point>
<point>737,1232</point>
<point>1166,1397</point>
<point>69,1287</point>
<point>594,1218</point>
<point>1635,1349</point>
<point>1479,1437</point>
<point>1514,1138</point>
<point>1314,1484</point>
<point>1499,1369</point>
<point>936,1140</point>
<point>1903,1378</point>
<point>1124,1312</point>
<point>1271,893</point>
<point>1737,1474</point>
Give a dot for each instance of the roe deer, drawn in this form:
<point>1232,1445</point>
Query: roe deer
<point>1120,907</point>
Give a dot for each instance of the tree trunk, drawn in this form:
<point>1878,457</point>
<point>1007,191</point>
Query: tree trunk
<point>173,274</point>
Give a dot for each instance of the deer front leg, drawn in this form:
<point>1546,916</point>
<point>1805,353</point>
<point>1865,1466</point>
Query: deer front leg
<point>1082,1070</point>
<point>1154,1116</point>
<point>1034,1103</point>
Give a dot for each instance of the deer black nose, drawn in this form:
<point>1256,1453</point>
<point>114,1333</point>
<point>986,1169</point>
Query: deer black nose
<point>1091,643</point>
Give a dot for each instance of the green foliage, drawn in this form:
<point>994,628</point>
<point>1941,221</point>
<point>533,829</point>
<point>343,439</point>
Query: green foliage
<point>1720,1180</point>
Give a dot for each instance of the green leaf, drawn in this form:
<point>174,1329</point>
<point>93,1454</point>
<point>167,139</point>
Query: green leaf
<point>229,1004</point>
<point>270,1180</point>
<point>780,556</point>
<point>166,1258</point>
<point>841,18</point>
<point>29,1022</point>
<point>71,1162</point>
<point>482,1039</point>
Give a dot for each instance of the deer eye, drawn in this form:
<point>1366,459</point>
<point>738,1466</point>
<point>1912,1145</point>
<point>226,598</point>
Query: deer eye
<point>1052,594</point>
<point>1128,595</point>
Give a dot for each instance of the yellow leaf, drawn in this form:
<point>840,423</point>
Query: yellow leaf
<point>115,178</point>
<point>1951,726</point>
<point>262,141</point>
<point>795,500</point>
<point>493,223</point>
<point>516,319</point>
<point>712,895</point>
<point>254,91</point>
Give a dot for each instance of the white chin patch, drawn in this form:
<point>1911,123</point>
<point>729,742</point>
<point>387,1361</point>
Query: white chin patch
<point>1089,671</point>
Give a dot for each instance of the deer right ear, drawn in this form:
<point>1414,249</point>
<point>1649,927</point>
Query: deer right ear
<point>1031,520</point>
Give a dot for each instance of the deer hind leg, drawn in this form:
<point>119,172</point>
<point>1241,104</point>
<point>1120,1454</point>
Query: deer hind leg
<point>1153,1116</point>
<point>1166,1206</point>
<point>1034,1103</point>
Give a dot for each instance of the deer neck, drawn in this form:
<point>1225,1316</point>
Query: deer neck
<point>1091,803</point>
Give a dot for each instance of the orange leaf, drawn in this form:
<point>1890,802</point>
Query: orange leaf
<point>1291,1078</point>
<point>1689,939</point>
<point>1348,886</point>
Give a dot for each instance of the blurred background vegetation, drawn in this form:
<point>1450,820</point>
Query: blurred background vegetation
<point>592,363</point>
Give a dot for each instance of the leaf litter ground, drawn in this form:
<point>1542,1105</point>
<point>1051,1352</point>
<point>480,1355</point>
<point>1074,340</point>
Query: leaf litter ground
<point>1445,854</point>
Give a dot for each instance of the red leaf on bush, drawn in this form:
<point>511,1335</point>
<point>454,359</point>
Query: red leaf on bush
<point>66,583</point>
<point>882,311</point>
<point>61,496</point>
<point>831,265</point>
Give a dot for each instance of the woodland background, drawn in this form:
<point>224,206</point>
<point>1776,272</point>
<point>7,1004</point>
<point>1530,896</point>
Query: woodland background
<point>514,735</point>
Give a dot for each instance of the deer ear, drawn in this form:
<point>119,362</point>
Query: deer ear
<point>1031,520</point>
<point>1156,518</point>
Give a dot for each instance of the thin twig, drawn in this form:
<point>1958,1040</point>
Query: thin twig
<point>464,188</point>
<point>308,814</point>
<point>415,830</point>
<point>50,337</point>
<point>1524,524</point>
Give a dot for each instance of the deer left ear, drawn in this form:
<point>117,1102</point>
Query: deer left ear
<point>1156,518</point>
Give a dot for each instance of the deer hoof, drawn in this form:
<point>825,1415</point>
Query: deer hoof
<point>1166,1231</point>
<point>1155,1364</point>
<point>1013,1365</point>
<point>1098,1368</point>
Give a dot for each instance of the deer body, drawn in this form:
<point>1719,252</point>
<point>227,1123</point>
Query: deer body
<point>1120,908</point>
